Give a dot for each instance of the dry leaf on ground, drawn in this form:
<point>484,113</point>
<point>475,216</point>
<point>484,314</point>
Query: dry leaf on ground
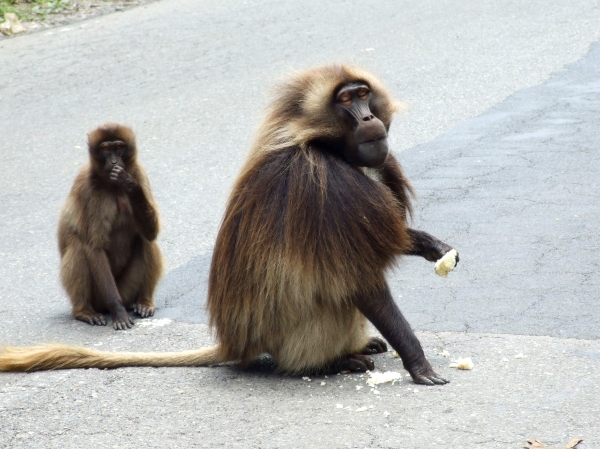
<point>538,444</point>
<point>11,25</point>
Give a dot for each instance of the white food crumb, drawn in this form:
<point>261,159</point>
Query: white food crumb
<point>465,363</point>
<point>308,379</point>
<point>519,356</point>
<point>445,354</point>
<point>446,264</point>
<point>359,387</point>
<point>386,413</point>
<point>380,378</point>
<point>396,355</point>
<point>376,392</point>
<point>339,406</point>
<point>157,323</point>
<point>361,409</point>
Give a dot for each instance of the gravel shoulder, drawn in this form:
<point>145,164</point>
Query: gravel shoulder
<point>75,11</point>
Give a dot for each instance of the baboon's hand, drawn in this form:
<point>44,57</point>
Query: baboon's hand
<point>119,176</point>
<point>422,373</point>
<point>121,319</point>
<point>441,250</point>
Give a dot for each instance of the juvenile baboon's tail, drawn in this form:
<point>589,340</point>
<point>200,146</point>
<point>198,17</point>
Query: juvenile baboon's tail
<point>57,356</point>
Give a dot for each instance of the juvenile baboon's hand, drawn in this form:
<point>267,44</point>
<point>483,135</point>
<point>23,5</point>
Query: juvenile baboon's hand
<point>119,176</point>
<point>121,319</point>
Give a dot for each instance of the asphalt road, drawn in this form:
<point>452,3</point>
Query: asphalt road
<point>499,141</point>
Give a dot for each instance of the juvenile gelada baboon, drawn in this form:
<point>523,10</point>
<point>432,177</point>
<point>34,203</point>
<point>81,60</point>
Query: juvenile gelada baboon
<point>316,216</point>
<point>110,261</point>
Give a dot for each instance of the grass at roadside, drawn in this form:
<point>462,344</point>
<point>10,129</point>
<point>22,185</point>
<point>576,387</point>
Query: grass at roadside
<point>30,10</point>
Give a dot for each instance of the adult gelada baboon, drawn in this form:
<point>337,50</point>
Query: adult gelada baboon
<point>110,261</point>
<point>316,216</point>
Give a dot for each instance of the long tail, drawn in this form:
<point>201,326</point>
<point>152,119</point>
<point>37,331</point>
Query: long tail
<point>57,356</point>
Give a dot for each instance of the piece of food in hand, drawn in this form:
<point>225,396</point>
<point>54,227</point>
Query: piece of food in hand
<point>446,264</point>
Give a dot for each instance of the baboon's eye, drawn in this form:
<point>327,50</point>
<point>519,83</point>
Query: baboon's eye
<point>345,98</point>
<point>363,93</point>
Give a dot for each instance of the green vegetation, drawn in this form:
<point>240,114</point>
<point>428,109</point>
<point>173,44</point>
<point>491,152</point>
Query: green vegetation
<point>28,10</point>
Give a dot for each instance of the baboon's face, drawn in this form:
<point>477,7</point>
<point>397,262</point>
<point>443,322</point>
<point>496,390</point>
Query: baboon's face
<point>366,136</point>
<point>113,153</point>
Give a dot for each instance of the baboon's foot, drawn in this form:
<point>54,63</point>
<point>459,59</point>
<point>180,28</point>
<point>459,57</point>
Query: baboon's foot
<point>91,317</point>
<point>356,363</point>
<point>375,346</point>
<point>144,308</point>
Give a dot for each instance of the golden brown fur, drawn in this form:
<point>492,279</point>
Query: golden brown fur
<point>304,244</point>
<point>101,220</point>
<point>302,233</point>
<point>57,356</point>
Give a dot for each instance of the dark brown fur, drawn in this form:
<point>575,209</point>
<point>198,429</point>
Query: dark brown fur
<point>302,233</point>
<point>299,262</point>
<point>307,237</point>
